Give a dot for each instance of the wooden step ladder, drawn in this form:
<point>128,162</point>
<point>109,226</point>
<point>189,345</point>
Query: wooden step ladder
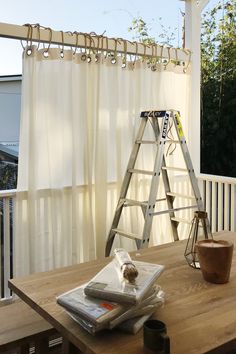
<point>161,122</point>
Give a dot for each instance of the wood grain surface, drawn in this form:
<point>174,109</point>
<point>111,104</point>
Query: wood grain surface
<point>200,316</point>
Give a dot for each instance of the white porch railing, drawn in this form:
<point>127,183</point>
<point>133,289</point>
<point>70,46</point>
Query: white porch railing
<point>219,196</point>
<point>6,240</point>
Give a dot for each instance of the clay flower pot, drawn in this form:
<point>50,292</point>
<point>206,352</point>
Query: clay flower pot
<point>215,258</point>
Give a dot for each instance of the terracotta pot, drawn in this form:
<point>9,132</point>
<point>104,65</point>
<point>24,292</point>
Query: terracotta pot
<point>215,258</point>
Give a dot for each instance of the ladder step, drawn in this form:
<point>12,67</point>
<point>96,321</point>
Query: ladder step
<point>174,168</point>
<point>134,170</point>
<point>174,209</point>
<point>169,141</point>
<point>185,196</point>
<point>146,142</point>
<point>155,142</point>
<point>126,234</point>
<point>130,202</point>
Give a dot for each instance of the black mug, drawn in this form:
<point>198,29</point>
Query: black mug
<point>155,336</point>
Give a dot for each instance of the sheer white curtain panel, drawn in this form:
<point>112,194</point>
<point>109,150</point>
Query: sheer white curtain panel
<point>78,123</point>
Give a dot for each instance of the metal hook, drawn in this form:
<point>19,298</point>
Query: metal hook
<point>29,38</point>
<point>62,49</point>
<point>168,62</point>
<point>114,56</point>
<point>45,53</point>
<point>124,59</point>
<point>84,55</point>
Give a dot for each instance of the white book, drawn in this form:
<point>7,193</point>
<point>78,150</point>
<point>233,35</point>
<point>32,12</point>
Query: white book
<point>95,310</point>
<point>109,285</point>
<point>132,325</point>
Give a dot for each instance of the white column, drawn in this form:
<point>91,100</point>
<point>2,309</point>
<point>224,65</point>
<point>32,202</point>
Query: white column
<point>193,9</point>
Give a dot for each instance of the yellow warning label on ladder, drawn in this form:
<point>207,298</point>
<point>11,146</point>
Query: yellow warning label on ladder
<point>179,125</point>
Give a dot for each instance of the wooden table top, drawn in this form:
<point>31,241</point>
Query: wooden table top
<point>200,316</point>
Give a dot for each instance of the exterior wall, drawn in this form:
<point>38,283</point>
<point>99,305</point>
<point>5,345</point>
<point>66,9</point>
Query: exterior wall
<point>10,106</point>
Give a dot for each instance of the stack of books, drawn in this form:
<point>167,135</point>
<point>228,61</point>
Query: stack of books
<point>108,301</point>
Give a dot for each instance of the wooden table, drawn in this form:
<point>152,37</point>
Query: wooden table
<point>200,316</point>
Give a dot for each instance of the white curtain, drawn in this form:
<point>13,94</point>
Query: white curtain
<point>78,123</point>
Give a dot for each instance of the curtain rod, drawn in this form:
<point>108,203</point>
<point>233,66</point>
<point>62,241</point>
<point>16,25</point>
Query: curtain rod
<point>81,40</point>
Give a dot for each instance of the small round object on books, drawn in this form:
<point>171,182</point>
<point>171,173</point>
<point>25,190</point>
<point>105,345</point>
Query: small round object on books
<point>127,267</point>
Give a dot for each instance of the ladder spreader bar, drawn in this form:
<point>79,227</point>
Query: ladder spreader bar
<point>174,168</point>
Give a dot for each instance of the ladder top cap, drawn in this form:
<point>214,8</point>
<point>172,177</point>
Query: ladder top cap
<point>156,114</point>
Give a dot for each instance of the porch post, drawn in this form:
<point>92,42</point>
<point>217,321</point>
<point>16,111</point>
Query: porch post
<point>193,9</point>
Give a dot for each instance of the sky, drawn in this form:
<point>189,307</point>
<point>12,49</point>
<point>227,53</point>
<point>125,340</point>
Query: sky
<point>112,17</point>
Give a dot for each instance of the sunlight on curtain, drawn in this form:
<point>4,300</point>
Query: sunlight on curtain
<point>78,124</point>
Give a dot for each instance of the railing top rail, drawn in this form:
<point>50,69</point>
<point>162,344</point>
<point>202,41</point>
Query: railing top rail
<point>7,193</point>
<point>219,179</point>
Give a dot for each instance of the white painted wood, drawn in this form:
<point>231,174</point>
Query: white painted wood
<point>226,206</point>
<point>202,3</point>
<point>214,207</point>
<point>193,11</point>
<point>208,200</point>
<point>220,207</point>
<point>6,245</point>
<point>98,42</point>
<point>233,208</point>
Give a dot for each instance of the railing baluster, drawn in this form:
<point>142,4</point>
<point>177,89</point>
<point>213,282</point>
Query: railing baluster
<point>208,200</point>
<point>220,207</point>
<point>6,260</point>
<point>214,207</point>
<point>226,206</point>
<point>233,208</point>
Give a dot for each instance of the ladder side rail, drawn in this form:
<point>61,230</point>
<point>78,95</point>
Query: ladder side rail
<point>166,182</point>
<point>169,200</point>
<point>187,159</point>
<point>125,186</point>
<point>155,179</point>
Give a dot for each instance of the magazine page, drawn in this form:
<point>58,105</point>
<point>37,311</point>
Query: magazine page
<point>108,284</point>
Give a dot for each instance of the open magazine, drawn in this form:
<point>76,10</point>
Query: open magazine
<point>107,284</point>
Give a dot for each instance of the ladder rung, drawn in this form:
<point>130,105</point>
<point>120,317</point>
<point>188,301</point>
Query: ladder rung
<point>126,234</point>
<point>185,196</point>
<point>174,209</point>
<point>131,202</point>
<point>174,168</point>
<point>134,170</point>
<point>180,220</point>
<point>169,141</point>
<point>146,142</point>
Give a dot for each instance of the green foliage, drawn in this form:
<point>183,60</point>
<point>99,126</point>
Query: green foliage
<point>8,175</point>
<point>218,123</point>
<point>141,32</point>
